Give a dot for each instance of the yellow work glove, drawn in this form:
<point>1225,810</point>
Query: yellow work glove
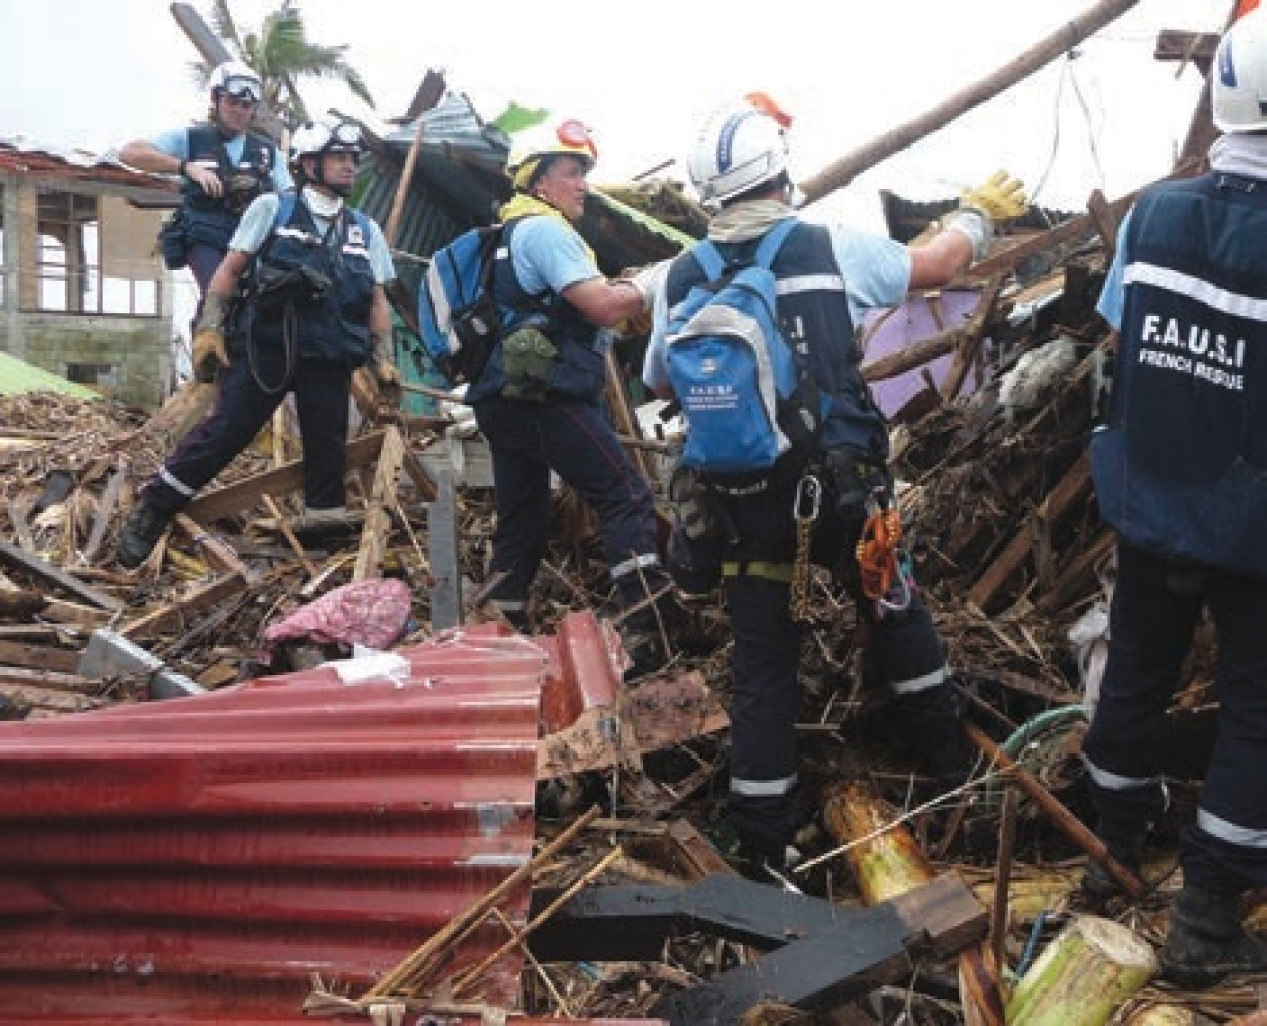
<point>1000,197</point>
<point>386,373</point>
<point>209,353</point>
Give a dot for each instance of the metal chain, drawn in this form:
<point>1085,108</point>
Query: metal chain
<point>805,508</point>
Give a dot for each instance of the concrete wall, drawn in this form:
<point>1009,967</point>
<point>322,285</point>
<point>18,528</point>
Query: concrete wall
<point>136,350</point>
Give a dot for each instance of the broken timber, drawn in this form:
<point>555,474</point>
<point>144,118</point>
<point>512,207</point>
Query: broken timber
<point>14,556</point>
<point>843,171</point>
<point>242,495</point>
<point>374,534</point>
<point>823,953</point>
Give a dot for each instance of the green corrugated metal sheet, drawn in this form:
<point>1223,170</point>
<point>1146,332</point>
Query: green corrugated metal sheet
<point>17,377</point>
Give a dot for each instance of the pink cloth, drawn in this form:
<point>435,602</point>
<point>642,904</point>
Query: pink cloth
<point>373,613</point>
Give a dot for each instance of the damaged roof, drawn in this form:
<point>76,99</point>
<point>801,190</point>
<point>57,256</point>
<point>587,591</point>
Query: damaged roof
<point>459,180</point>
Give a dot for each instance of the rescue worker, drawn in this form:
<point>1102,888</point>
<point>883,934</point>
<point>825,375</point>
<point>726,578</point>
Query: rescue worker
<point>1180,472</point>
<point>539,400</point>
<point>311,310</point>
<point>223,167</point>
<point>828,277</point>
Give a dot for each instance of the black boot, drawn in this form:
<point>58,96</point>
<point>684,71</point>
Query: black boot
<point>760,858</point>
<point>931,726</point>
<point>1207,940</point>
<point>142,530</point>
<point>1125,841</point>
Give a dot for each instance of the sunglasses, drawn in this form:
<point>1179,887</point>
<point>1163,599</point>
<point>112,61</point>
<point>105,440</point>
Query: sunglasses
<point>346,133</point>
<point>241,102</point>
<point>240,86</point>
<point>574,133</point>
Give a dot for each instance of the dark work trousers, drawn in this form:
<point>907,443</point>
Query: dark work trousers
<point>576,441</point>
<point>243,406</point>
<point>765,691</point>
<point>203,260</point>
<point>1156,607</point>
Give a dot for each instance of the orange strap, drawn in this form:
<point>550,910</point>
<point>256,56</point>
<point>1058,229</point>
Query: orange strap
<point>877,552</point>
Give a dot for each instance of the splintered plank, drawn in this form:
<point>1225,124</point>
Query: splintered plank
<point>105,512</point>
<point>378,524</point>
<point>38,657</point>
<point>1075,483</point>
<point>244,494</point>
<point>176,613</point>
<point>42,568</point>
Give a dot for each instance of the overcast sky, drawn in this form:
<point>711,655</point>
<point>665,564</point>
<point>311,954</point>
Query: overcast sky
<point>95,73</point>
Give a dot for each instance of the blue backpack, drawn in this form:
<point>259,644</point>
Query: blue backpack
<point>746,394</point>
<point>458,318</point>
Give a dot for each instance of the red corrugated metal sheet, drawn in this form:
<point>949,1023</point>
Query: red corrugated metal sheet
<point>196,859</point>
<point>584,669</point>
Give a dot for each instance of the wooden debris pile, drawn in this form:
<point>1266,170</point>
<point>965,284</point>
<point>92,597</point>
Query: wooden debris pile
<point>1010,553</point>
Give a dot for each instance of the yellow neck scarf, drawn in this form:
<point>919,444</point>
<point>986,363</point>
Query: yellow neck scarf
<point>523,205</point>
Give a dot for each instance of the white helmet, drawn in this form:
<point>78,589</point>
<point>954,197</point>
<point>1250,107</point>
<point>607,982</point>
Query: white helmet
<point>326,135</point>
<point>1239,100</point>
<point>237,80</point>
<point>566,138</point>
<point>738,149</point>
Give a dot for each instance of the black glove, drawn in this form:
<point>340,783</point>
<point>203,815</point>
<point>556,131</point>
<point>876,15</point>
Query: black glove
<point>855,476</point>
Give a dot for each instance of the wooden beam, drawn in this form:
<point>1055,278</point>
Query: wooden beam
<point>382,498</point>
<point>843,171</point>
<point>177,613</point>
<point>429,94</point>
<point>218,552</point>
<point>1070,582</point>
<point>105,511</point>
<point>38,657</point>
<point>242,495</point>
<point>970,346</point>
<point>45,570</point>
<point>915,355</point>
<point>1075,483</point>
<point>212,50</point>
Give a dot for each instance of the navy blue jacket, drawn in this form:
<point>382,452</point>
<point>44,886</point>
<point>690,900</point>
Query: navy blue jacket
<point>814,315</point>
<point>1181,466</point>
<point>336,326</point>
<point>211,220</point>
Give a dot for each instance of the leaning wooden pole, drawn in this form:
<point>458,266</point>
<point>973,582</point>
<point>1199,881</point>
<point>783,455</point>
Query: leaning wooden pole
<point>843,171</point>
<point>430,93</point>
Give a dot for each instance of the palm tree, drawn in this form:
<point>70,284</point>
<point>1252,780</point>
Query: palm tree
<point>281,54</point>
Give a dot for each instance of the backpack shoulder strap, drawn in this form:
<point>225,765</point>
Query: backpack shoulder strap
<point>709,257</point>
<point>773,242</point>
<point>285,207</point>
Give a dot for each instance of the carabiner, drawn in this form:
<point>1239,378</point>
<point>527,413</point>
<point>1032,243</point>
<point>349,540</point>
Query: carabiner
<point>808,499</point>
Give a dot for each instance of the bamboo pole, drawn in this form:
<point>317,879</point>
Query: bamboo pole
<point>1082,976</point>
<point>886,862</point>
<point>464,922</point>
<point>842,172</point>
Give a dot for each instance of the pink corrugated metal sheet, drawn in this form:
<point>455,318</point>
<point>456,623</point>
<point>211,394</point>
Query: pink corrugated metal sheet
<point>195,860</point>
